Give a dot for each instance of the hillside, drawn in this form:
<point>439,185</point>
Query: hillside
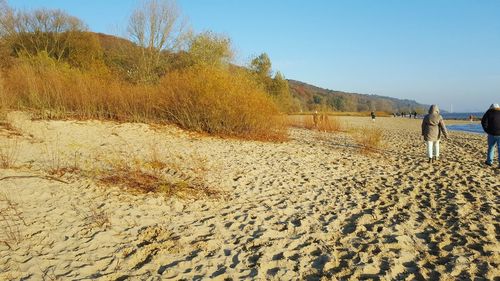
<point>307,97</point>
<point>312,97</point>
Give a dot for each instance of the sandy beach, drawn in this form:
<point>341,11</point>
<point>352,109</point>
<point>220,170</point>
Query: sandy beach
<point>310,208</point>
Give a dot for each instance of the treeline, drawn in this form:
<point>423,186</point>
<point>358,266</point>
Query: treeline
<point>308,98</point>
<point>53,65</point>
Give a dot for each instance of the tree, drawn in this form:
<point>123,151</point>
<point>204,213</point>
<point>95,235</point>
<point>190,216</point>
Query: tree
<point>281,92</point>
<point>261,65</point>
<point>6,17</point>
<point>29,33</point>
<point>156,27</point>
<point>277,87</point>
<point>210,48</point>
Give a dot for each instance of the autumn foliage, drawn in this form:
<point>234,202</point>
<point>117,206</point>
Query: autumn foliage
<point>214,100</point>
<point>78,76</point>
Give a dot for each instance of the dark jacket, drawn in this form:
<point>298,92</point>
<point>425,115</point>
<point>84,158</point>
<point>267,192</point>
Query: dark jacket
<point>491,121</point>
<point>433,125</point>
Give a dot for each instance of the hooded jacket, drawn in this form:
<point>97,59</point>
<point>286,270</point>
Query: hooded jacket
<point>491,121</point>
<point>433,125</point>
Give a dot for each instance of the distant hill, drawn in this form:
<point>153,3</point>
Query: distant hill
<point>312,97</point>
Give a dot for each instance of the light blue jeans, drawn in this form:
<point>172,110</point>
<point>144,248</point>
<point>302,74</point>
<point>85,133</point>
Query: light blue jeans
<point>492,140</point>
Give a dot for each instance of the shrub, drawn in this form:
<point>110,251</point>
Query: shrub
<point>201,98</point>
<point>214,100</point>
<point>56,90</point>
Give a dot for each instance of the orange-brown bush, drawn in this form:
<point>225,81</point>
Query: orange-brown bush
<point>200,98</point>
<point>59,90</point>
<point>212,99</point>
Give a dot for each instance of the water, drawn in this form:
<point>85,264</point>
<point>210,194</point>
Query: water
<point>462,115</point>
<point>470,128</point>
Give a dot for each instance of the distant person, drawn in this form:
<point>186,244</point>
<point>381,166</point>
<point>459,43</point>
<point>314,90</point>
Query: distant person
<point>373,116</point>
<point>432,129</point>
<point>471,118</point>
<point>414,115</point>
<point>491,125</point>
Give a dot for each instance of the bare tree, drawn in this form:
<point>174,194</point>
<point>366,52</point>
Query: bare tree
<point>6,19</point>
<point>42,30</point>
<point>156,26</point>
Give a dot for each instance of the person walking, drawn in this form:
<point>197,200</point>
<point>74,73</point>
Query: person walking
<point>432,128</point>
<point>491,125</point>
<point>372,114</point>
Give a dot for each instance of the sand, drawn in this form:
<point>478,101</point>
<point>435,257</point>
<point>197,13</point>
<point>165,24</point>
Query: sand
<point>311,208</point>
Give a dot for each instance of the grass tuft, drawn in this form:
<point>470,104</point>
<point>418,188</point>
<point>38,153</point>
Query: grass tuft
<point>369,140</point>
<point>11,222</point>
<point>9,152</point>
<point>141,179</point>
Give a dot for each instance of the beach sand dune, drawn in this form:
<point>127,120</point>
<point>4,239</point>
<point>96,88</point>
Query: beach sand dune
<point>311,208</point>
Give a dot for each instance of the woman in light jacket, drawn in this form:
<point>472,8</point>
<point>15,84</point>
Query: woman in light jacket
<point>432,129</point>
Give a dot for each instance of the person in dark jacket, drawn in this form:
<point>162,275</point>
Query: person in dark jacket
<point>491,125</point>
<point>432,129</point>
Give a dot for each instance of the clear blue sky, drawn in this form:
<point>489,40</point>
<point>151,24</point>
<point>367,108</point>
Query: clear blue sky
<point>434,51</point>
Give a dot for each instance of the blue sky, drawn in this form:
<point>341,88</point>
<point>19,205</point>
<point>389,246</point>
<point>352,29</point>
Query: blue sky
<point>434,51</point>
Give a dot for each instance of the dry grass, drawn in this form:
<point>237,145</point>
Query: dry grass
<point>56,164</point>
<point>11,222</point>
<point>369,140</point>
<point>324,123</point>
<point>152,177</point>
<point>217,101</point>
<point>347,113</point>
<point>11,130</point>
<point>330,124</point>
<point>9,152</point>
<point>206,99</point>
<point>53,160</point>
<point>94,215</point>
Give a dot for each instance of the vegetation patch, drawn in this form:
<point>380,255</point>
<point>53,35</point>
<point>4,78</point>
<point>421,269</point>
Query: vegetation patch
<point>320,122</point>
<point>9,151</point>
<point>138,180</point>
<point>369,140</point>
<point>11,222</point>
<point>56,68</point>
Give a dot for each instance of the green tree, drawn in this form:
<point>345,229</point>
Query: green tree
<point>281,92</point>
<point>209,48</point>
<point>261,65</point>
<point>276,87</point>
